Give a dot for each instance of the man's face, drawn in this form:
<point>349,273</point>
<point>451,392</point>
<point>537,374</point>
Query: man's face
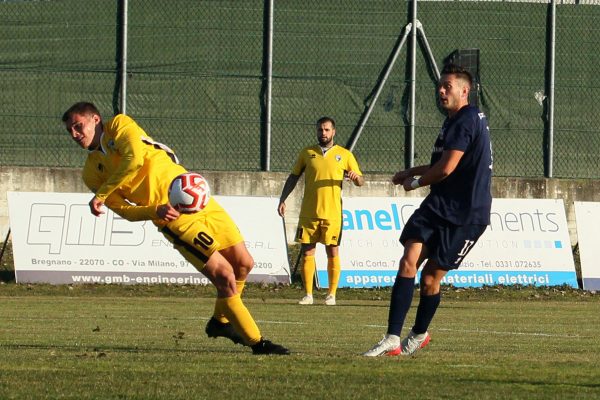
<point>453,93</point>
<point>83,129</point>
<point>325,133</point>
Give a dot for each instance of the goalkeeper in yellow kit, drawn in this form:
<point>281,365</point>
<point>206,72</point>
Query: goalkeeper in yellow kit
<point>325,165</point>
<point>130,173</point>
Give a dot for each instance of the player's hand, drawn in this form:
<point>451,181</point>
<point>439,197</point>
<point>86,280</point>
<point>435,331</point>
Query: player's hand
<point>400,177</point>
<point>96,206</point>
<point>406,184</point>
<point>167,212</point>
<point>351,175</point>
<point>281,209</point>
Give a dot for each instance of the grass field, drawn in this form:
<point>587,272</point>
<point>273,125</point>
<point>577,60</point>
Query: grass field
<point>148,342</point>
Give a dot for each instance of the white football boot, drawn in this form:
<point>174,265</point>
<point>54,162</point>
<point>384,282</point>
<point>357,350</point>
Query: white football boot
<point>413,342</point>
<point>388,346</point>
<point>306,300</point>
<point>330,300</point>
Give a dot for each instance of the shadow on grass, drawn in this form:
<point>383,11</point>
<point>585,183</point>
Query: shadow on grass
<point>120,349</point>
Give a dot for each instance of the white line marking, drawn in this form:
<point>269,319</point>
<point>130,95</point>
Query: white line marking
<point>538,334</point>
<point>495,332</point>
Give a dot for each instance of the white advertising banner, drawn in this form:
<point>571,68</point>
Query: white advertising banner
<point>527,243</point>
<point>588,236</point>
<point>57,240</point>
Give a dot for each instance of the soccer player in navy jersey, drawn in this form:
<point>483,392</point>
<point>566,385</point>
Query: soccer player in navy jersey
<point>450,219</point>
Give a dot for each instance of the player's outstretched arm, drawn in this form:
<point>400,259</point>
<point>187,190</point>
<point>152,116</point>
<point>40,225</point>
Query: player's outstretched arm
<point>438,171</point>
<point>400,176</point>
<point>288,188</point>
<point>130,211</point>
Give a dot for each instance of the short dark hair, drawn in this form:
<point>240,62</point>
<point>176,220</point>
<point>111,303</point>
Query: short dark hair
<point>326,119</point>
<point>454,69</point>
<point>81,108</point>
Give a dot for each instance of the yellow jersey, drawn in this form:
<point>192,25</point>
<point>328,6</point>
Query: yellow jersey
<point>130,172</point>
<point>324,174</point>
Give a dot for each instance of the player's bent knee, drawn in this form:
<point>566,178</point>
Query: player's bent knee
<point>225,285</point>
<point>243,267</point>
<point>247,263</point>
<point>221,274</point>
<point>429,285</point>
<point>429,290</point>
<point>407,268</point>
<point>240,259</point>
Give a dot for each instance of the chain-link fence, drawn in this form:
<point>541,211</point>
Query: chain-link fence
<point>197,73</point>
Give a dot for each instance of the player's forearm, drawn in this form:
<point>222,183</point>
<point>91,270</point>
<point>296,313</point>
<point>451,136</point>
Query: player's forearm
<point>128,167</point>
<point>442,168</point>
<point>401,176</point>
<point>130,211</point>
<point>136,213</point>
<point>288,187</point>
<point>357,180</point>
<point>419,170</point>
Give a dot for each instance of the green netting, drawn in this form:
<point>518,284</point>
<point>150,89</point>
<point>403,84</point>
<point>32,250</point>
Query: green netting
<point>196,78</point>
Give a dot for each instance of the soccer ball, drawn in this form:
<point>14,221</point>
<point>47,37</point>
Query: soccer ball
<point>189,193</point>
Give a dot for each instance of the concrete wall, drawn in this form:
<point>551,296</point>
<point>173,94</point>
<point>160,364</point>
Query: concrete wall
<point>27,179</point>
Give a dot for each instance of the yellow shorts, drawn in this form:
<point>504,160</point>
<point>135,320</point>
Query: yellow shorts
<point>197,236</point>
<point>326,231</point>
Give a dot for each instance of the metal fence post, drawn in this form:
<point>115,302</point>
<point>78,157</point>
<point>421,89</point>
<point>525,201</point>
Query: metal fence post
<point>549,151</point>
<point>266,140</point>
<point>123,66</point>
<point>410,140</point>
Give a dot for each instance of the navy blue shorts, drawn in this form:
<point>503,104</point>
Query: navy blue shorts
<point>446,243</point>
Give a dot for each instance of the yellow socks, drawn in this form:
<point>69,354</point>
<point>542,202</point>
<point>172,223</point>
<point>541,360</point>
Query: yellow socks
<point>308,273</point>
<point>240,286</point>
<point>239,316</point>
<point>333,273</point>
<point>218,313</point>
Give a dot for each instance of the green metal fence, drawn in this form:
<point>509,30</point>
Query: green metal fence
<point>197,72</point>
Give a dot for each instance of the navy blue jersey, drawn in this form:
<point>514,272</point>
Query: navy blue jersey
<point>464,197</point>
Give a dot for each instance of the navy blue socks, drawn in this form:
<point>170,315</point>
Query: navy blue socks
<point>425,312</point>
<point>402,294</point>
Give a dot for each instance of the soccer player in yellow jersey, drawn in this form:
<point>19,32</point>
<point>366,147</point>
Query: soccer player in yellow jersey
<point>130,173</point>
<point>325,165</point>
